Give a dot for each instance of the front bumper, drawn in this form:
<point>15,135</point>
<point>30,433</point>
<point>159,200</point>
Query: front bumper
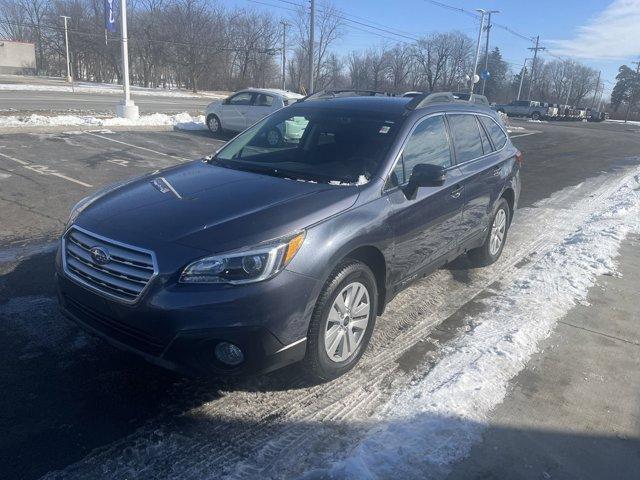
<point>178,327</point>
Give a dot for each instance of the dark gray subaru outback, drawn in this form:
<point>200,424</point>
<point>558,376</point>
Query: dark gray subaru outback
<point>288,243</point>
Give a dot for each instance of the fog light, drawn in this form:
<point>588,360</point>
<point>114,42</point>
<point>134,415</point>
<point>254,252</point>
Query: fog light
<point>229,354</point>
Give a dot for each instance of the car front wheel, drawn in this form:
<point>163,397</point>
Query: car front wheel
<point>342,321</point>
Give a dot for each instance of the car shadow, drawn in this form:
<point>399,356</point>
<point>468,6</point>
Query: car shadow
<point>66,393</point>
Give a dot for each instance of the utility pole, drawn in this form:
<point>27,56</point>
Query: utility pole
<point>633,91</point>
<point>472,77</point>
<point>533,64</point>
<point>595,93</point>
<point>127,108</point>
<point>66,44</point>
<point>284,54</point>
<point>569,91</point>
<point>522,73</point>
<point>312,17</point>
<point>486,47</point>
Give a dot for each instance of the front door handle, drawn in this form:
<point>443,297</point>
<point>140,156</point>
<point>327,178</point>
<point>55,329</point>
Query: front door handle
<point>456,192</point>
<point>496,171</point>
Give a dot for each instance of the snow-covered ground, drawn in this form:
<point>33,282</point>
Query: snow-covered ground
<point>434,423</point>
<point>629,122</point>
<point>183,121</point>
<point>106,88</point>
<point>380,421</point>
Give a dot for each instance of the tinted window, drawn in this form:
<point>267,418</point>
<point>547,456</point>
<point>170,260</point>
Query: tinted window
<point>486,145</point>
<point>428,144</point>
<point>241,99</point>
<point>466,137</point>
<point>495,132</point>
<point>263,100</point>
<point>322,145</point>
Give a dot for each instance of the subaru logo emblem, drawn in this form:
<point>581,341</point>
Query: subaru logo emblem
<point>100,256</point>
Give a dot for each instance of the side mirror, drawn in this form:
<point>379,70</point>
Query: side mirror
<point>424,175</point>
<point>226,101</point>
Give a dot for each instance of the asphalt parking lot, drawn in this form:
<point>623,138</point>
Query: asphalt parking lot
<point>66,394</point>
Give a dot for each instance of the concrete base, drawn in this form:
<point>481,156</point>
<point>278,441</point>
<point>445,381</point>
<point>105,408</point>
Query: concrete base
<point>127,111</point>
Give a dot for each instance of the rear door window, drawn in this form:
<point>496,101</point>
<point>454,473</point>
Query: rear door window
<point>466,137</point>
<point>263,100</point>
<point>495,132</point>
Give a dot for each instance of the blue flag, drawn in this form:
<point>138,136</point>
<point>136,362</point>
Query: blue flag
<point>110,15</point>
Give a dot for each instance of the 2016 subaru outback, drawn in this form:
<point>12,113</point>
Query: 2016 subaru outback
<point>263,255</point>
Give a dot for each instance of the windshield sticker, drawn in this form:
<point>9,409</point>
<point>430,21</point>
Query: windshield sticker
<point>385,129</point>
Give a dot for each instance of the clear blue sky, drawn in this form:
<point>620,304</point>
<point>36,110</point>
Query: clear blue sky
<point>600,33</point>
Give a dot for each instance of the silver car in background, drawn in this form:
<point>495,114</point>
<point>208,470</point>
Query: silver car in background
<point>244,108</point>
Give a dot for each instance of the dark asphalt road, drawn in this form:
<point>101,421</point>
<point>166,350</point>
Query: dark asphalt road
<point>60,102</point>
<point>64,394</point>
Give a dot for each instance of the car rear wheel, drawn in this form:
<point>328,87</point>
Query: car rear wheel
<point>496,237</point>
<point>342,321</point>
<point>214,125</point>
<point>535,116</point>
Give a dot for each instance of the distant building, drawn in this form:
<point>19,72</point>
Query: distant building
<point>18,58</point>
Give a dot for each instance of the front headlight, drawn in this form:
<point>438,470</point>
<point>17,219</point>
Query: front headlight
<point>247,265</point>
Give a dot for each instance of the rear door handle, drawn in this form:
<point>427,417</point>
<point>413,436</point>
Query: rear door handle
<point>456,192</point>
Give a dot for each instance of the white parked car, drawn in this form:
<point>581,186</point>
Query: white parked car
<point>246,107</point>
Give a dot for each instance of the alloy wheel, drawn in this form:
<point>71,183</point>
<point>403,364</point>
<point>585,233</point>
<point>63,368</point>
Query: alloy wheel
<point>498,230</point>
<point>347,322</point>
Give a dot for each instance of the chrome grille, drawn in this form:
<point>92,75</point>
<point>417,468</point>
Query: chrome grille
<point>123,273</point>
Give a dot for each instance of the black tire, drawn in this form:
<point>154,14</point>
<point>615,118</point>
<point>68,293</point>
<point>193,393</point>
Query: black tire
<point>212,122</point>
<point>482,256</point>
<point>317,361</point>
<point>535,116</point>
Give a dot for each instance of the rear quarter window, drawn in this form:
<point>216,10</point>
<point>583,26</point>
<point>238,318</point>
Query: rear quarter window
<point>496,133</point>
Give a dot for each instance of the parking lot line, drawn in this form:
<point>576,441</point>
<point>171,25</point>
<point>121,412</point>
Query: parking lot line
<point>138,147</point>
<point>524,134</point>
<point>45,170</point>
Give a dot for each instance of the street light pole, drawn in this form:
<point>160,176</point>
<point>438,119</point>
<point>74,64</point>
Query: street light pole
<point>66,44</point>
<point>311,42</point>
<point>486,48</point>
<point>524,69</point>
<point>475,61</point>
<point>284,54</point>
<point>126,109</point>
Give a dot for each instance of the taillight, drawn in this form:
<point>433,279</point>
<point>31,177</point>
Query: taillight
<point>519,158</point>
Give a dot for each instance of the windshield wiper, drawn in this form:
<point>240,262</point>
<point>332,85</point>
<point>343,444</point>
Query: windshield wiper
<point>214,160</point>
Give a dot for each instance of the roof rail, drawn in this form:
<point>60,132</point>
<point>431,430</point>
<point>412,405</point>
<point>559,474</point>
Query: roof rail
<point>350,92</point>
<point>426,99</point>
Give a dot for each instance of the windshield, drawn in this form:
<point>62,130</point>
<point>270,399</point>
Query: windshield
<point>320,145</point>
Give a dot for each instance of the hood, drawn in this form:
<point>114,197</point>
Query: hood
<point>212,208</point>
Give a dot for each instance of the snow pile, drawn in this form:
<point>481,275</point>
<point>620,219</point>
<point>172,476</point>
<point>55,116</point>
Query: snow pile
<point>106,88</point>
<point>182,121</point>
<point>434,423</point>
